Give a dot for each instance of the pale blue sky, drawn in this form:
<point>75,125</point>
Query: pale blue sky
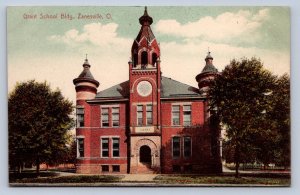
<point>54,49</point>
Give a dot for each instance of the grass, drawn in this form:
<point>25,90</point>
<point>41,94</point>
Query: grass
<point>72,179</point>
<point>245,179</point>
<point>194,179</point>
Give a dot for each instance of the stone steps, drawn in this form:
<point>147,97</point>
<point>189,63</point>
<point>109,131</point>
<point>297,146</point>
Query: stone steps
<point>145,168</point>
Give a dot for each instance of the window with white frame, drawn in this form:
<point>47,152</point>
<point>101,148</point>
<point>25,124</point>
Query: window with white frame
<point>116,147</point>
<point>186,115</point>
<point>175,114</point>
<point>115,117</point>
<point>187,145</point>
<point>104,117</point>
<point>149,114</point>
<point>104,147</point>
<point>139,115</point>
<point>176,147</point>
<point>80,146</point>
<point>80,117</point>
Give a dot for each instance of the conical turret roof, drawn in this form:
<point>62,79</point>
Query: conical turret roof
<point>86,74</point>
<point>209,67</point>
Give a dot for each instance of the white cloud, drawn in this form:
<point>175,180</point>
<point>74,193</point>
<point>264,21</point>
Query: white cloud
<point>98,34</point>
<point>183,61</point>
<point>108,52</point>
<point>226,26</point>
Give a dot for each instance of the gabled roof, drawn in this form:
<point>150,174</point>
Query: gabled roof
<point>170,89</point>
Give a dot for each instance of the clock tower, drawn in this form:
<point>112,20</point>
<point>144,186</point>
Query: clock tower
<point>145,85</point>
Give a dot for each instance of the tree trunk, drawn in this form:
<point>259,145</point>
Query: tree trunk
<point>237,161</point>
<point>38,167</point>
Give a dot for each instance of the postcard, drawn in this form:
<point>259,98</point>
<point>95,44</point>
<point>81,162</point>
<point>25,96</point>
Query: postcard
<point>149,96</point>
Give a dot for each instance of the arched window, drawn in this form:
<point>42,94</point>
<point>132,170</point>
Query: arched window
<point>154,58</point>
<point>135,59</point>
<point>144,58</point>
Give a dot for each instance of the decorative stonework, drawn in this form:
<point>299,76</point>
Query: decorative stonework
<point>154,143</point>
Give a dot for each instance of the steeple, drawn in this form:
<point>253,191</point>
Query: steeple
<point>145,49</point>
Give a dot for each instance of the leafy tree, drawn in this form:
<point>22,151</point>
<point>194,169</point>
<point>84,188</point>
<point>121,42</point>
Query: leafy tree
<point>38,122</point>
<point>279,113</point>
<point>239,94</point>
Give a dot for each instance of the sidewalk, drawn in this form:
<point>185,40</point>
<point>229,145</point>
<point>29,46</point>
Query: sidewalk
<point>139,177</point>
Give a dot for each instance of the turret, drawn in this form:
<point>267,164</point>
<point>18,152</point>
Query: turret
<point>85,84</point>
<point>208,73</point>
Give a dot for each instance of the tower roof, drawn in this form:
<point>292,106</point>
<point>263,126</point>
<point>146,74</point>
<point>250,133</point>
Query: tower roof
<point>209,67</point>
<point>145,37</point>
<point>86,74</point>
<point>208,56</point>
<point>146,19</point>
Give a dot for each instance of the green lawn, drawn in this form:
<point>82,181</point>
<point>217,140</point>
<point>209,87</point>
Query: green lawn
<point>193,179</point>
<point>71,179</point>
<point>51,178</point>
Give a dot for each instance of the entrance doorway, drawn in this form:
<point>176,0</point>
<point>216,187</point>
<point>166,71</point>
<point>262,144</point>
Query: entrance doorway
<point>145,154</point>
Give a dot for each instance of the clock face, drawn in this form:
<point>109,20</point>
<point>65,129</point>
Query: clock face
<point>144,88</point>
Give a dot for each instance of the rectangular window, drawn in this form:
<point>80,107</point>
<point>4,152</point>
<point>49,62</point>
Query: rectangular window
<point>105,146</point>
<point>175,115</point>
<point>187,115</point>
<point>105,168</point>
<point>140,115</point>
<point>116,168</point>
<point>80,117</point>
<point>80,145</point>
<point>116,147</point>
<point>104,117</point>
<point>115,117</point>
<point>176,147</point>
<point>187,145</point>
<point>149,114</point>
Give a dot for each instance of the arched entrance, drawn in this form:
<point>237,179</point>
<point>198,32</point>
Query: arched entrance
<point>145,154</point>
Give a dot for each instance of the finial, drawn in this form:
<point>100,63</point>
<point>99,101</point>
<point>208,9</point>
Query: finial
<point>86,62</point>
<point>145,18</point>
<point>208,55</point>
